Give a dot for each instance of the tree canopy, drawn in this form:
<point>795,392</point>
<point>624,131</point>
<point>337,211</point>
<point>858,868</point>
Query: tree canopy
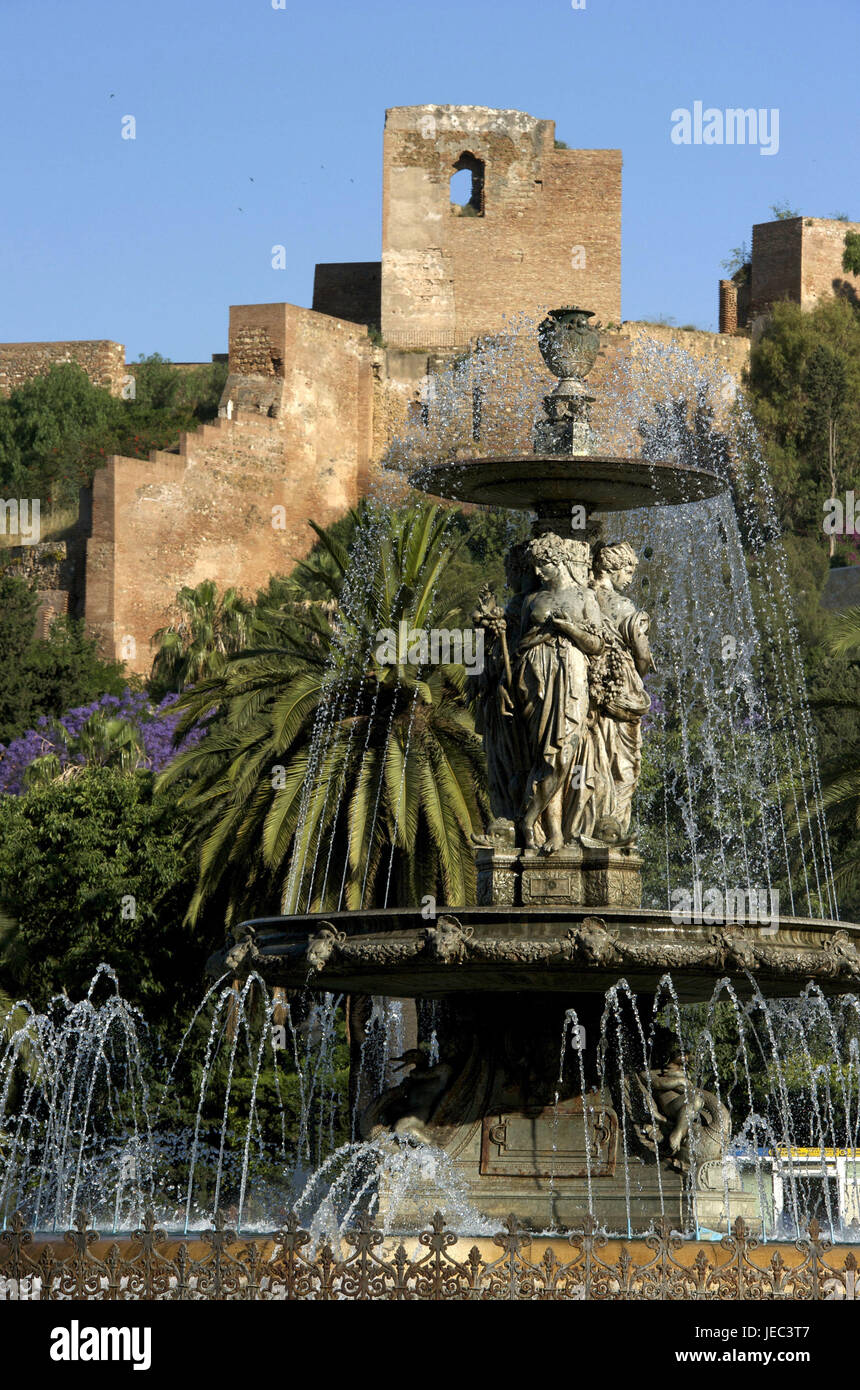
<point>326,769</point>
<point>804,381</point>
<point>57,429</point>
<point>92,869</point>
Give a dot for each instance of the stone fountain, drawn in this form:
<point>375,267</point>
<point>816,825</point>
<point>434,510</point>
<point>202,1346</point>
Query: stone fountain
<point>521,1097</point>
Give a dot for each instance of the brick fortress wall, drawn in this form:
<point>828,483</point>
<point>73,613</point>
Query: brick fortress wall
<point>311,405</point>
<point>547,232</point>
<point>821,273</point>
<point>799,259</point>
<point>296,438</point>
<point>776,258</point>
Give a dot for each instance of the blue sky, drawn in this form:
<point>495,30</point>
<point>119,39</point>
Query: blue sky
<point>279,113</point>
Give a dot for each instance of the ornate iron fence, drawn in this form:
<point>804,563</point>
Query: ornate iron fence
<point>435,1267</point>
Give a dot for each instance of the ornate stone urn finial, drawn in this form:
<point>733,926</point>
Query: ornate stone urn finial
<point>569,345</point>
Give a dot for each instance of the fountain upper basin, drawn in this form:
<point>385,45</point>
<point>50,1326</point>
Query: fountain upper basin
<point>600,482</point>
<point>394,952</point>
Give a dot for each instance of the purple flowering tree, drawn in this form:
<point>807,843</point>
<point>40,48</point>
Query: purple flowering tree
<point>69,741</point>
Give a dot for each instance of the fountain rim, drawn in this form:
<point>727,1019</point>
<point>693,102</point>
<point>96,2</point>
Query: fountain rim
<point>828,925</point>
<point>540,948</point>
<point>617,482</point>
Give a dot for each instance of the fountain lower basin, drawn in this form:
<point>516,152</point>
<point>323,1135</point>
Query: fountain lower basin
<point>537,1130</point>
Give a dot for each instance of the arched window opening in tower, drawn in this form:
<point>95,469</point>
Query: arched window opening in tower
<point>467,187</point>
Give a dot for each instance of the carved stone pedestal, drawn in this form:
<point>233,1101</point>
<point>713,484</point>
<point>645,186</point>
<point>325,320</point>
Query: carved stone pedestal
<point>530,1127</point>
<point>610,876</point>
<point>549,1167</point>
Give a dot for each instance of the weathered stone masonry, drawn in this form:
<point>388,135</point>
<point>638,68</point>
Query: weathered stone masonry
<point>103,361</point>
<point>798,259</point>
<point>547,229</point>
<point>310,402</point>
<point>233,503</point>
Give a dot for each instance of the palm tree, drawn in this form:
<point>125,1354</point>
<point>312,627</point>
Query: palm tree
<point>104,740</point>
<point>330,776</point>
<point>841,786</point>
<point>195,646</point>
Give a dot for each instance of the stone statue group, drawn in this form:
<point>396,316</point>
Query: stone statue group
<point>561,696</point>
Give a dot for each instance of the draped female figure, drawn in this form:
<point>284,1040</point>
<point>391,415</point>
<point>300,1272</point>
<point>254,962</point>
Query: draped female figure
<point>559,632</point>
<point>621,695</point>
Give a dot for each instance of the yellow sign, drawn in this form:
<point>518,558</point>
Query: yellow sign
<point>816,1153</point>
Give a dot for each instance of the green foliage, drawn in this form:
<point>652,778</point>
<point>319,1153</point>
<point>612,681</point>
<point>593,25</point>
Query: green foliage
<point>105,740</point>
<point>92,869</point>
<point>851,254</point>
<point>66,670</point>
<point>278,1097</point>
<point>738,262</point>
<point>316,580</point>
<point>825,384</point>
<point>784,212</point>
<point>45,676</point>
<point>395,788</point>
<point>478,544</point>
<point>56,430</point>
<point>807,564</point>
<point>844,633</point>
<point>804,383</point>
<point>18,607</point>
<point>50,429</point>
<point>732,1043</point>
<point>804,374</point>
<point>210,627</point>
<point>837,700</point>
<point>12,1015</point>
